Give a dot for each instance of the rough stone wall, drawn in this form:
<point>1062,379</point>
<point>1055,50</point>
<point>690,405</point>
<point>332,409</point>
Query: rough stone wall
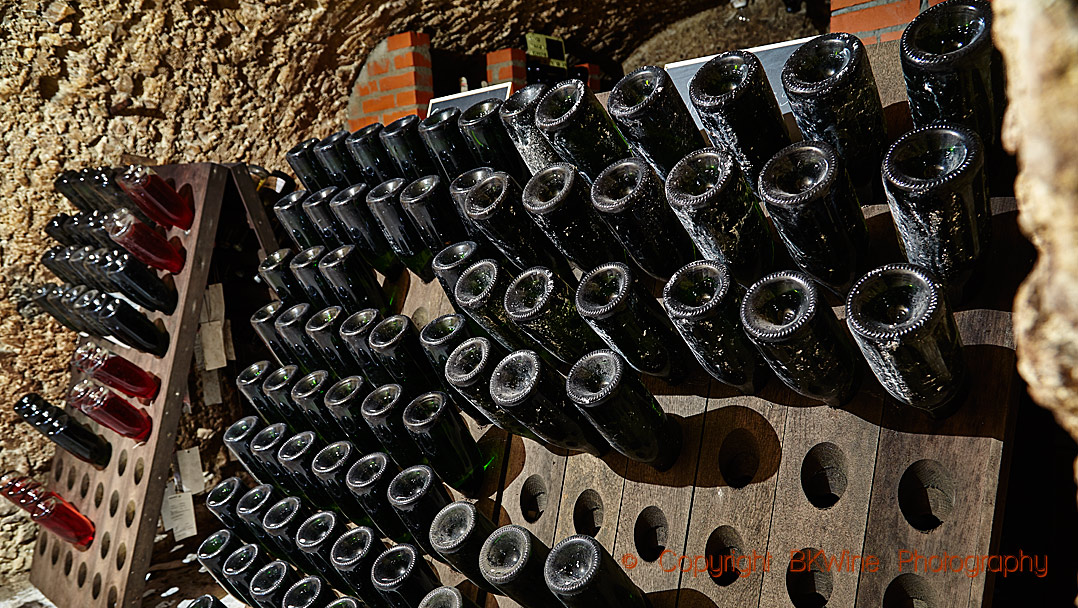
<point>83,81</point>
<point>1039,42</point>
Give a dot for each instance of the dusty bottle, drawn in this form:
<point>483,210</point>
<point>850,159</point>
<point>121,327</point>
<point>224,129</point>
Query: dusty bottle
<point>468,370</point>
<point>650,113</point>
<point>541,305</point>
<point>382,409</point>
<point>434,424</point>
<point>395,343</point>
<point>512,560</point>
<point>330,466</point>
<point>441,336</point>
<point>721,214</point>
<point>457,533</point>
<point>704,304</point>
<point>935,184</point>
<point>355,331</point>
<point>115,372</point>
<point>581,573</point>
<point>442,136</point>
<point>63,430</point>
<point>534,394</point>
<point>314,284</point>
<point>946,55</point>
<point>451,262</point>
<point>631,322</point>
<point>630,199</point>
<point>437,220</point>
<point>579,129</point>
<point>384,203</point>
<point>352,556</point>
<point>557,198</point>
<point>614,400</point>
<point>495,206</point>
<point>816,212</point>
<point>738,108</point>
<point>316,207</point>
<point>406,149</point>
<point>800,338</point>
<point>370,154</point>
<point>480,292</point>
<point>900,319</point>
<point>446,597</point>
<point>458,191</point>
<point>306,166</point>
<point>289,211</point>
<point>417,494</point>
<point>337,162</point>
<point>402,577</point>
<point>487,138</point>
<point>350,208</point>
<point>368,480</point>
<point>518,116</point>
<point>833,97</point>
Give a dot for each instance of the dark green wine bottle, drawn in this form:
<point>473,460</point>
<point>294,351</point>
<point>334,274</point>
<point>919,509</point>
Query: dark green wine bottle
<point>383,409</point>
<point>303,161</point>
<point>705,306</point>
<point>332,154</point>
<point>278,389</point>
<point>371,155</point>
<point>343,401</point>
<point>330,466</point>
<point>436,427</point>
<point>457,533</point>
<point>249,382</point>
<point>541,305</point>
<point>282,520</point>
<point>368,480</point>
<point>212,554</point>
<point>446,597</point>
<point>309,394</point>
<point>295,222</point>
<point>446,145</point>
<point>240,567</point>
<point>458,191</point>
<point>355,330</point>
<point>238,437</point>
<point>451,262</point>
<point>395,341</point>
<point>518,116</point>
<point>351,281</point>
<point>468,370</point>
<point>316,207</point>
<point>512,560</point>
<point>317,289</point>
<point>269,584</point>
<point>323,328</point>
<point>275,271</point>
<point>221,501</point>
<point>262,322</point>
<point>352,555</point>
<point>383,201</point>
<point>251,509</point>
<point>487,138</point>
<point>402,576</point>
<point>579,129</point>
<point>290,326</point>
<point>480,292</point>
<point>437,220</point>
<point>406,149</point>
<point>581,573</point>
<point>264,447</point>
<point>296,455</point>
<point>800,338</point>
<point>309,592</point>
<point>350,208</point>
<point>417,494</point>
<point>315,537</point>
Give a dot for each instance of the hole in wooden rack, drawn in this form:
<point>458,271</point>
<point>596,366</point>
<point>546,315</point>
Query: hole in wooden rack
<point>722,550</point>
<point>140,470</point>
<point>95,588</point>
<point>121,556</point>
<point>588,513</point>
<point>68,559</point>
<point>106,540</point>
<point>926,495</point>
<point>58,471</point>
<point>99,494</point>
<point>84,486</point>
<point>114,503</point>
<point>70,479</point>
<point>42,544</point>
<point>649,533</point>
<point>910,590</point>
<point>823,475</point>
<point>81,578</point>
<point>121,463</point>
<point>739,458</point>
<point>113,597</point>
<point>129,513</point>
<point>533,498</point>
<point>807,583</point>
<point>56,555</point>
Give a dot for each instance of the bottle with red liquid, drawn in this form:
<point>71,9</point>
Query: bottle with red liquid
<point>110,410</point>
<point>116,372</point>
<point>156,198</point>
<point>143,242</point>
<point>62,519</point>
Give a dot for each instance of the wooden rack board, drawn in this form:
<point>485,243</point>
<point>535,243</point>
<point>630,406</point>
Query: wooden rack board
<point>124,500</point>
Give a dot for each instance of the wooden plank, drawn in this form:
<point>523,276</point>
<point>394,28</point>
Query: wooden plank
<point>590,495</point>
<point>663,500</point>
<point>256,211</point>
<point>124,500</point>
<point>735,483</point>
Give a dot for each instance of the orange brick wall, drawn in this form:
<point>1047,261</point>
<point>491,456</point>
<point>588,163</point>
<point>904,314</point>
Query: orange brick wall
<point>876,20</point>
<point>395,81</point>
<point>507,65</point>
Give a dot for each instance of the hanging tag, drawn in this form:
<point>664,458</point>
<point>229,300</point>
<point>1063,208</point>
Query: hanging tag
<point>190,468</point>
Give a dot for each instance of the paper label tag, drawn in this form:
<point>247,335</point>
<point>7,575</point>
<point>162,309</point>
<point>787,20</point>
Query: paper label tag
<point>189,465</point>
<point>178,515</point>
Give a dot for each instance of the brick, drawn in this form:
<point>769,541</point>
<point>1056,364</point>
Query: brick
<point>409,98</point>
<point>876,17</point>
<point>504,55</point>
<point>376,68</point>
<point>414,80</point>
<point>356,124</point>
<point>888,36</point>
<point>490,75</point>
<point>379,104</point>
<point>512,72</point>
<point>840,4</point>
<point>407,39</point>
<point>411,59</point>
<point>366,88</point>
